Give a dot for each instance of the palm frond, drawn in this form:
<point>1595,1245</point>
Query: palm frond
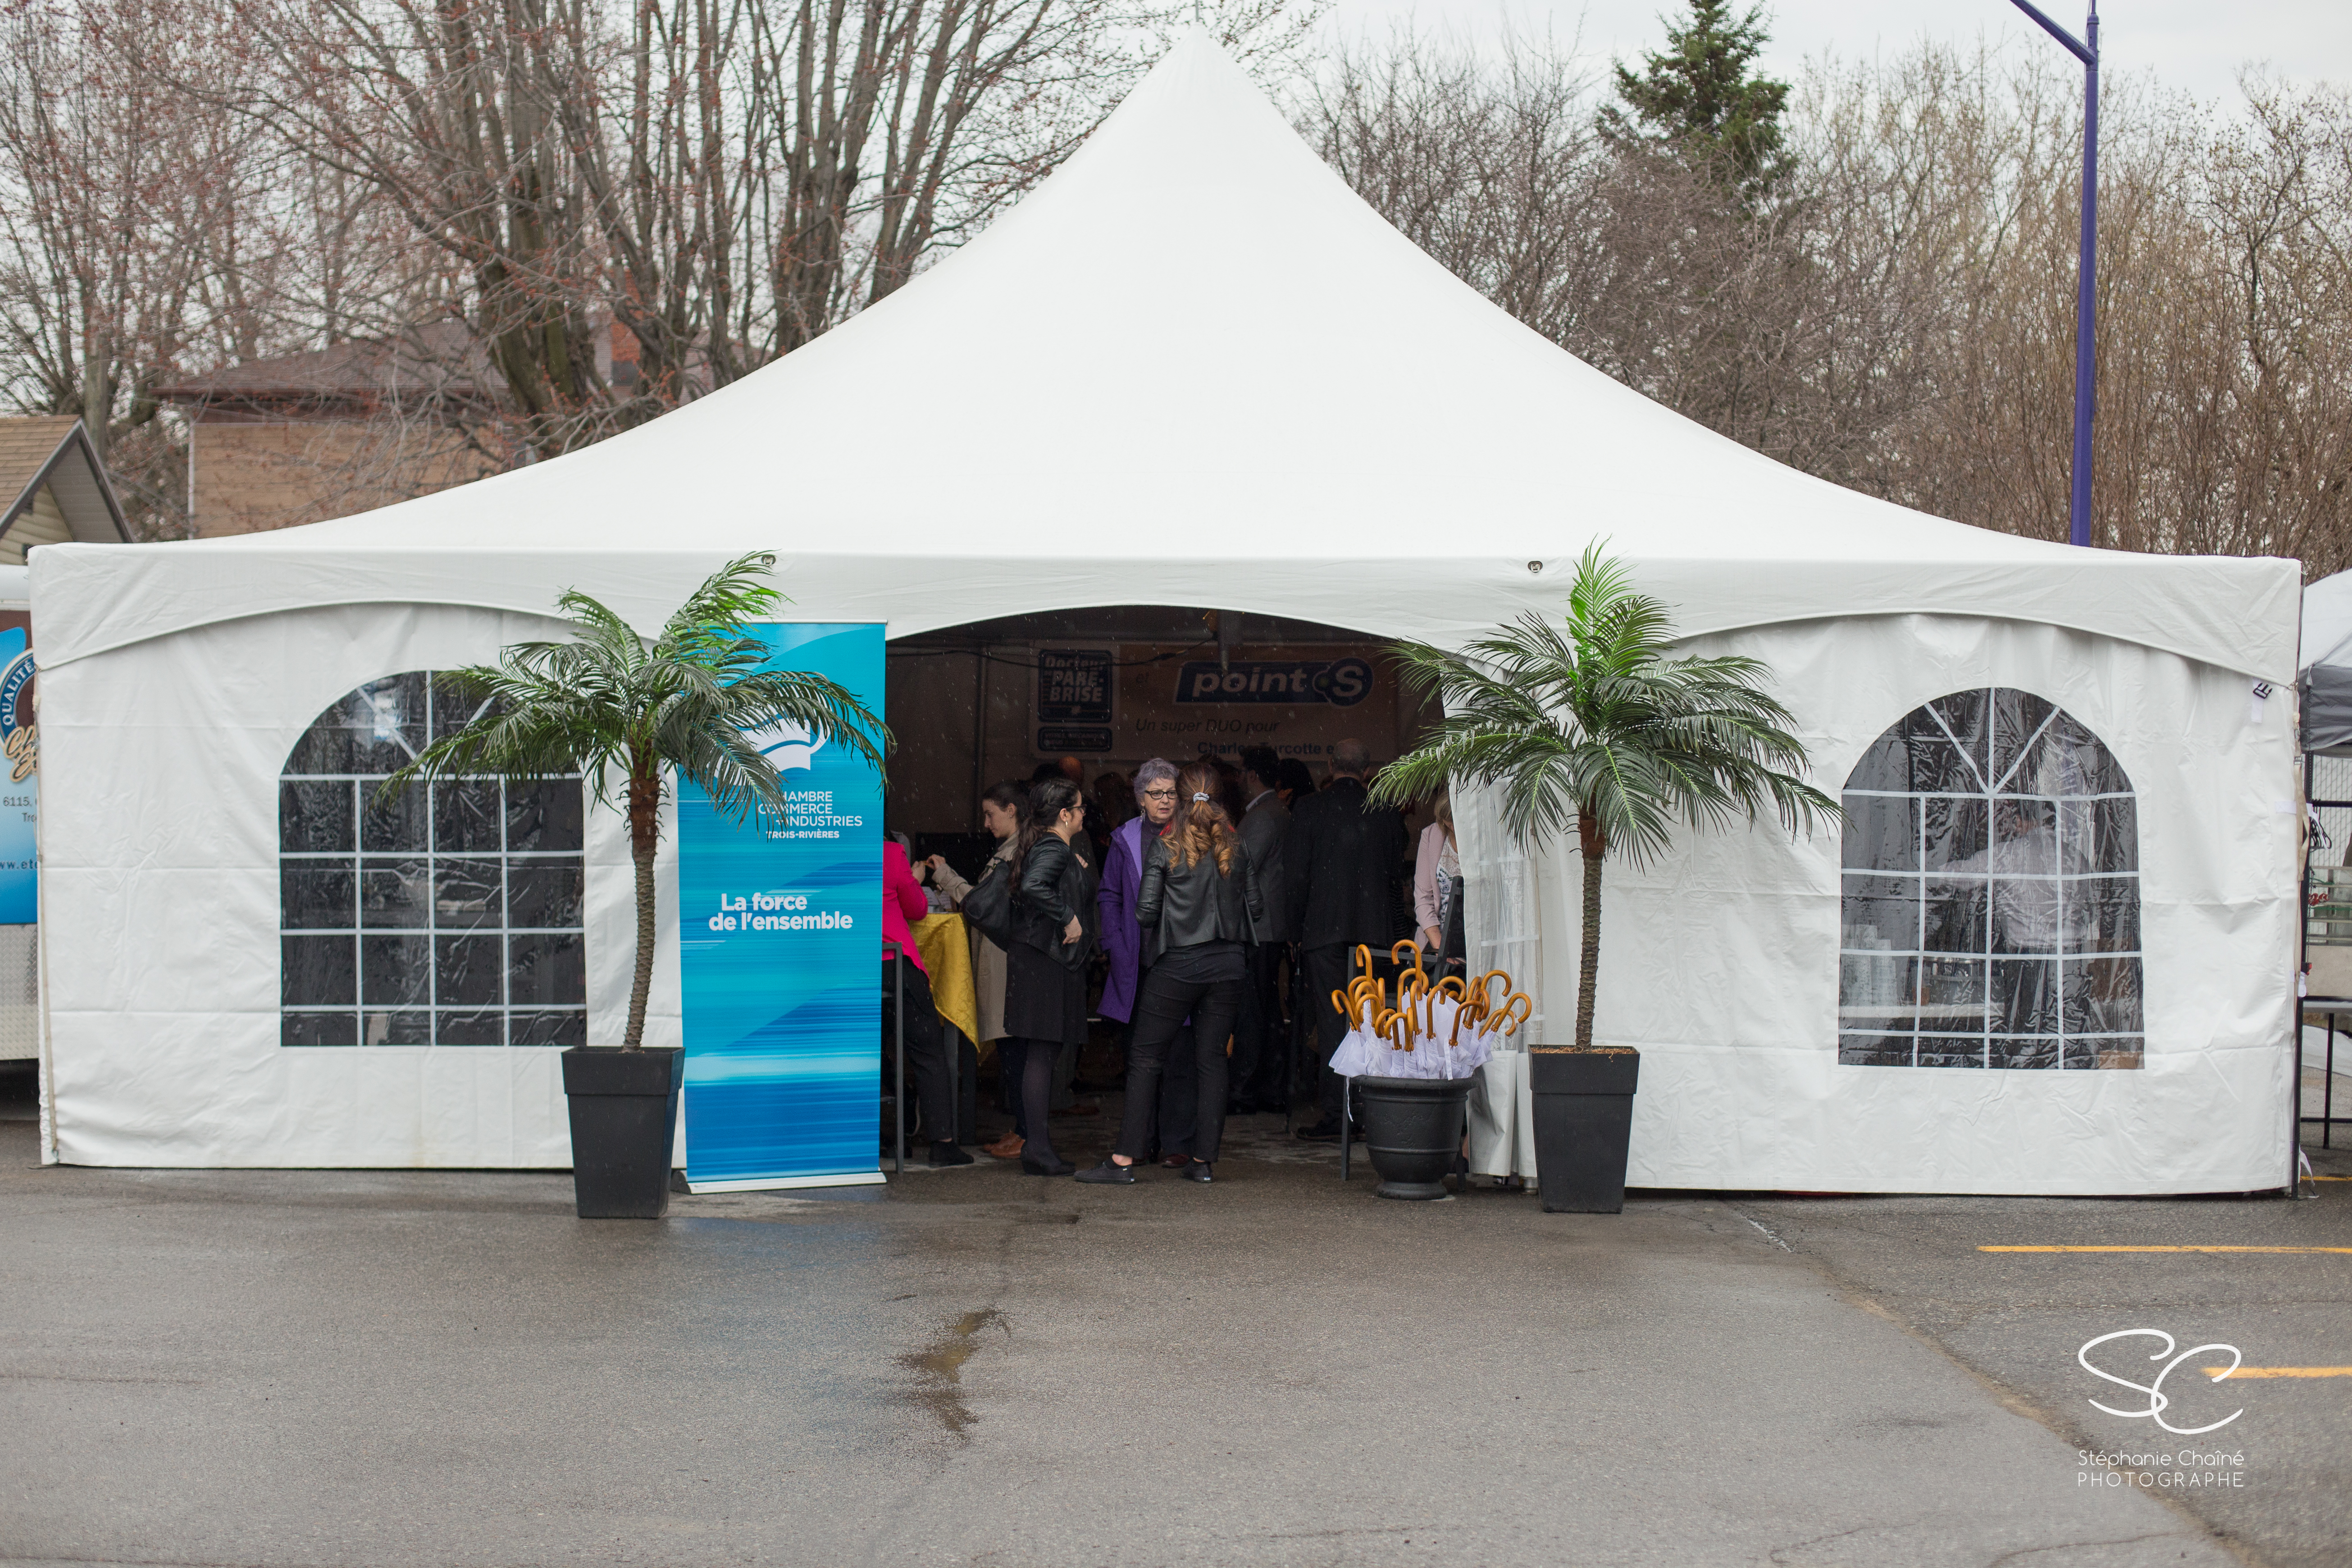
<point>607,705</point>
<point>1588,716</point>
<point>716,611</point>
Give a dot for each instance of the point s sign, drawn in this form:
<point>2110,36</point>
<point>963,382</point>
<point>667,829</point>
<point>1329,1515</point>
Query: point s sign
<point>1340,682</point>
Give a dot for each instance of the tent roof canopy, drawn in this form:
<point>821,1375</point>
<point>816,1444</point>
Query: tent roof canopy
<point>1194,356</point>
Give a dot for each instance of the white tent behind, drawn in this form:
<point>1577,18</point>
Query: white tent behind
<point>2324,679</point>
<point>1193,368</point>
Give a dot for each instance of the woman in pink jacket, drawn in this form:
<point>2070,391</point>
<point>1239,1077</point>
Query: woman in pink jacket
<point>927,1052</point>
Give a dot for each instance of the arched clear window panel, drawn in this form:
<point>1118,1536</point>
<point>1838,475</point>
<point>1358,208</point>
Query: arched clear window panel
<point>446,916</point>
<point>1991,909</point>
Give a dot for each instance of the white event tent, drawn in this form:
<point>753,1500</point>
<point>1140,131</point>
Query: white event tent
<point>1193,368</point>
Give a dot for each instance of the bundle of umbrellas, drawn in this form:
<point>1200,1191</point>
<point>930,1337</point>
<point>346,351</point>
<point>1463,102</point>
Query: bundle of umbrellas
<point>1445,1029</point>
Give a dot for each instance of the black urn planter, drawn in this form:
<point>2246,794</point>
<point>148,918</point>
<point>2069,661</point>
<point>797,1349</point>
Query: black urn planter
<point>1413,1131</point>
<point>1584,1123</point>
<point>623,1112</point>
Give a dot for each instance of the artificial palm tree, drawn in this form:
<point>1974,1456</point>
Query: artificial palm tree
<point>607,704</point>
<point>1590,723</point>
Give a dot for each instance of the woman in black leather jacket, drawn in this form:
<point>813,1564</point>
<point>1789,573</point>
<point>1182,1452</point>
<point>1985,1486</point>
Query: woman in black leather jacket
<point>1199,906</point>
<point>1046,968</point>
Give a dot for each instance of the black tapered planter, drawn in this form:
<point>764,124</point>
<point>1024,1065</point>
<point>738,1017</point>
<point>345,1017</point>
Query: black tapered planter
<point>1413,1131</point>
<point>1584,1124</point>
<point>624,1114</point>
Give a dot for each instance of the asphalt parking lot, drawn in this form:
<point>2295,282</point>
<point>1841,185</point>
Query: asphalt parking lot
<point>977,1367</point>
<point>2019,1322</point>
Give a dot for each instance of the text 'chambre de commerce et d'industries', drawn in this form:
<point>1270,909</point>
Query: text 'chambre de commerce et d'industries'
<point>806,814</point>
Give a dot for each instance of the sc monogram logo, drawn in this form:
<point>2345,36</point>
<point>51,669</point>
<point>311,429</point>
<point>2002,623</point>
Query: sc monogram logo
<point>2158,1402</point>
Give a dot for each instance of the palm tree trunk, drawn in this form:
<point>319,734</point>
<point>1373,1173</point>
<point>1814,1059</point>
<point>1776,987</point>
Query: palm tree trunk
<point>645,833</point>
<point>1595,847</point>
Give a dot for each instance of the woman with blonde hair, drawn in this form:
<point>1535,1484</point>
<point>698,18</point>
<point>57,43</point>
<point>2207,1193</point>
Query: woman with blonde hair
<point>1199,905</point>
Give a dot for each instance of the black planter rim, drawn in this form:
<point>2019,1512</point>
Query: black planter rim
<point>607,1069</point>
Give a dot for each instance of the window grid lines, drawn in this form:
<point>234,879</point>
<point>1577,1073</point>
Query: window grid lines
<point>1944,724</point>
<point>2024,948</point>
<point>391,981</point>
<point>2024,751</point>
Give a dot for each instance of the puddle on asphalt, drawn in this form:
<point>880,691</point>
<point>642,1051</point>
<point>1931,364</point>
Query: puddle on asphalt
<point>938,1368</point>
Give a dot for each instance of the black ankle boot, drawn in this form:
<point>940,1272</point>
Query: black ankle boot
<point>1036,1166</point>
<point>1198,1171</point>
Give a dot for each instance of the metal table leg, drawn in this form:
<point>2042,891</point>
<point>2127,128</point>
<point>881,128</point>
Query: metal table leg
<point>2327,1087</point>
<point>1347,1128</point>
<point>952,1040</point>
<point>898,1016</point>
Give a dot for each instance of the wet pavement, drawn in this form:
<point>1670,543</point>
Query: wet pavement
<point>974,1366</point>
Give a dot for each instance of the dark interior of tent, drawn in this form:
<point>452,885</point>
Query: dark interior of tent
<point>1091,695</point>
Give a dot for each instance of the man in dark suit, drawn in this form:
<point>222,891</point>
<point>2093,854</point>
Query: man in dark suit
<point>1339,860</point>
<point>1261,1044</point>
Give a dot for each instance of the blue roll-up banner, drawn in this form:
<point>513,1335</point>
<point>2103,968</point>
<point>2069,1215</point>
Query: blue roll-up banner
<point>779,952</point>
<point>20,782</point>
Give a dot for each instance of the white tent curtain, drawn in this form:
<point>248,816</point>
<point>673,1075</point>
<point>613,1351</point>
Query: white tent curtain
<point>1502,921</point>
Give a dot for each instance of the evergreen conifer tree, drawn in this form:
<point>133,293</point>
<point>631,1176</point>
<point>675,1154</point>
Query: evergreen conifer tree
<point>1700,97</point>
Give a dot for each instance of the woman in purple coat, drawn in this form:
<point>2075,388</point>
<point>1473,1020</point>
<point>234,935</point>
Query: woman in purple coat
<point>1122,879</point>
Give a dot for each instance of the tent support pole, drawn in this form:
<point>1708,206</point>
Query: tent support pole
<point>898,1017</point>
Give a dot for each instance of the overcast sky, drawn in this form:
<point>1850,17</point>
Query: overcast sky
<point>2195,44</point>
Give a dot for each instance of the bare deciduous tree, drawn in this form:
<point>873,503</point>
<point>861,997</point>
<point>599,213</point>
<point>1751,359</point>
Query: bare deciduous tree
<point>723,179</point>
<point>1898,316</point>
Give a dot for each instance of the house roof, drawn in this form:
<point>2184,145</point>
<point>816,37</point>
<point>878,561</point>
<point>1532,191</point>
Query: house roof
<point>56,451</point>
<point>441,361</point>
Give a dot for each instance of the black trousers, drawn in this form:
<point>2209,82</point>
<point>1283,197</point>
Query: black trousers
<point>1261,1070</point>
<point>1180,1090</point>
<point>1160,1009</point>
<point>1325,971</point>
<point>927,1051</point>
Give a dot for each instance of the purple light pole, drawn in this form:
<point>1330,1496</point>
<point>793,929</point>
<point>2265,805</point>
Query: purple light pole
<point>2086,49</point>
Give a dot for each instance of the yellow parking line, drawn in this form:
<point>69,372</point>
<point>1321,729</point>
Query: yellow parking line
<point>2165,1249</point>
<point>2218,1373</point>
<point>2327,1178</point>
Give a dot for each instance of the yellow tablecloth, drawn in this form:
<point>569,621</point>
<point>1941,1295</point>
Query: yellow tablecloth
<point>947,958</point>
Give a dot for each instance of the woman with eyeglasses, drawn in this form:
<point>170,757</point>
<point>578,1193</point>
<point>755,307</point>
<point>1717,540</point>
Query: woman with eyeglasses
<point>1199,907</point>
<point>1122,880</point>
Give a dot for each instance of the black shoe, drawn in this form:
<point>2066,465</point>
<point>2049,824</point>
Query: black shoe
<point>1032,1166</point>
<point>1198,1171</point>
<point>1110,1172</point>
<point>945,1154</point>
<point>1321,1133</point>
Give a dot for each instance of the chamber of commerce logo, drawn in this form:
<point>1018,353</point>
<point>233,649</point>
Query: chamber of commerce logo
<point>2152,1390</point>
<point>785,745</point>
